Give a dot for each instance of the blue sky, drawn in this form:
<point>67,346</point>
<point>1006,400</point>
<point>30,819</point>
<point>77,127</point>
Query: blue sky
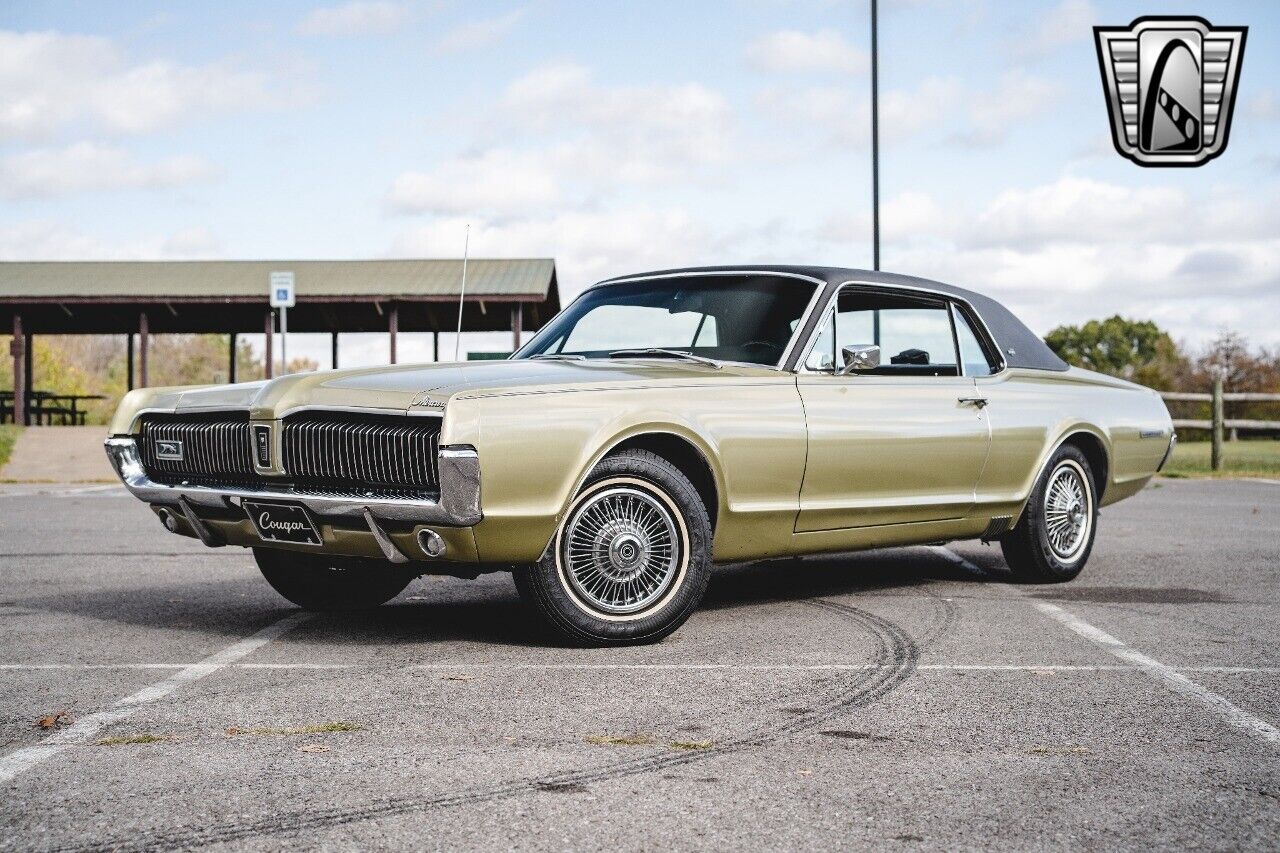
<point>623,136</point>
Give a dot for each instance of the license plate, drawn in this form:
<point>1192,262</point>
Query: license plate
<point>283,523</point>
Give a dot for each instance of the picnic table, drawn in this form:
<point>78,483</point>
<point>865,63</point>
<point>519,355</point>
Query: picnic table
<point>43,407</point>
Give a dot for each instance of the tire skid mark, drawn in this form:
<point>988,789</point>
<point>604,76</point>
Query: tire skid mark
<point>894,660</point>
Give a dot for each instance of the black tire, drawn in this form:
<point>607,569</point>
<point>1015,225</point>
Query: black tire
<point>670,579</point>
<point>327,582</point>
<point>1040,549</point>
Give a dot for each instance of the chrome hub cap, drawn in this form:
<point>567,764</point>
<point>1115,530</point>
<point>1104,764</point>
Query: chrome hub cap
<point>620,550</point>
<point>1068,511</point>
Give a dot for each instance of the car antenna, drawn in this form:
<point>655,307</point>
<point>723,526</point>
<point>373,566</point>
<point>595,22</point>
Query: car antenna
<point>466,245</point>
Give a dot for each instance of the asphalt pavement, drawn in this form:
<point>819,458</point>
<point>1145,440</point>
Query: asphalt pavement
<point>906,699</point>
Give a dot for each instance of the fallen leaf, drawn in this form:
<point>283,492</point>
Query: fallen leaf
<point>691,744</point>
<point>313,747</point>
<point>804,771</point>
<point>313,729</point>
<point>620,740</point>
<point>57,718</point>
<point>458,677</point>
<point>129,740</point>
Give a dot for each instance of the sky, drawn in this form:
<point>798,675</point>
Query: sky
<point>619,137</point>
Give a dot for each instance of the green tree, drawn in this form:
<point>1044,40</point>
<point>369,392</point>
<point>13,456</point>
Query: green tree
<point>1137,350</point>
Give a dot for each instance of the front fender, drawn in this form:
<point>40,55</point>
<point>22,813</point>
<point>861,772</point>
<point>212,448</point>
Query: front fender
<point>536,451</point>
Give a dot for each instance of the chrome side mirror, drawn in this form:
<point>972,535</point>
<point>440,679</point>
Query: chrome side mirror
<point>859,357</point>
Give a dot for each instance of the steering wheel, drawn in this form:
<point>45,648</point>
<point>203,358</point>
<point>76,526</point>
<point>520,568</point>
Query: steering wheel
<point>770,347</point>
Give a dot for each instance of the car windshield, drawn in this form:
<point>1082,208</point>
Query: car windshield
<point>746,319</point>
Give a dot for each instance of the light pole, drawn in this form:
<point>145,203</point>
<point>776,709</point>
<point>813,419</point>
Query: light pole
<point>875,144</point>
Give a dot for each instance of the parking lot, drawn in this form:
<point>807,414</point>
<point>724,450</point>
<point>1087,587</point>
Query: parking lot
<point>904,698</point>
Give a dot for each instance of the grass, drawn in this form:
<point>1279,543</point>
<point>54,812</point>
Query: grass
<point>1240,459</point>
<point>316,729</point>
<point>8,435</point>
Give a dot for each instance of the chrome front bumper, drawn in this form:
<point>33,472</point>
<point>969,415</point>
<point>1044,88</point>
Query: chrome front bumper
<point>458,506</point>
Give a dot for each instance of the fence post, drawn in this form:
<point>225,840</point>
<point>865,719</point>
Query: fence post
<point>1215,459</point>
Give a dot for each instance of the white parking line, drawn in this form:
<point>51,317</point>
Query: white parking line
<point>1167,675</point>
<point>85,728</point>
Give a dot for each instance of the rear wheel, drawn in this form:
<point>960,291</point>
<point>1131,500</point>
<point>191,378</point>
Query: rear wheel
<point>327,582</point>
<point>1053,539</point>
<point>631,558</point>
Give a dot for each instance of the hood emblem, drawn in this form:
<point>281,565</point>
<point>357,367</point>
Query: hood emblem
<point>423,400</point>
<point>169,449</point>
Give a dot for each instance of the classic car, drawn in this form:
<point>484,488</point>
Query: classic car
<point>659,424</point>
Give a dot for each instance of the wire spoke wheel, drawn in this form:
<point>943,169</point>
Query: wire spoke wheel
<point>621,551</point>
<point>1068,511</point>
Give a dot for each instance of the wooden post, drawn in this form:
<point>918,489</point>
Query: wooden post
<point>19,363</point>
<point>269,329</point>
<point>29,371</point>
<point>1215,457</point>
<point>231,365</point>
<point>128,361</point>
<point>333,356</point>
<point>517,319</point>
<point>393,326</point>
<point>144,340</point>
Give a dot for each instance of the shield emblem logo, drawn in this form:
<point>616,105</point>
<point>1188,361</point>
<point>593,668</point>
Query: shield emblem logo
<point>1170,86</point>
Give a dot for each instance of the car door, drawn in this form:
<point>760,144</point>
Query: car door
<point>899,443</point>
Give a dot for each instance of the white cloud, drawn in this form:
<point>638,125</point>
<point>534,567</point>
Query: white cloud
<point>1078,248</point>
<point>49,80</point>
<point>357,18</point>
<point>477,34</point>
<point>1016,97</point>
<point>1069,21</point>
<point>42,240</point>
<point>587,245</point>
<point>1264,106</point>
<point>497,181</point>
<point>582,140</point>
<point>796,51</point>
<point>844,116</point>
<point>87,166</point>
<point>566,94</point>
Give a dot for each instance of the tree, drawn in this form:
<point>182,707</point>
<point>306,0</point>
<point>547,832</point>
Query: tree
<point>1137,350</point>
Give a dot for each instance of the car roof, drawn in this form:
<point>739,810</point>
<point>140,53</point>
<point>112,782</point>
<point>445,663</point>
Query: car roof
<point>1019,346</point>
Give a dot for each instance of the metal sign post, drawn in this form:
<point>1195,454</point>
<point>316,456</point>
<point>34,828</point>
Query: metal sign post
<point>282,297</point>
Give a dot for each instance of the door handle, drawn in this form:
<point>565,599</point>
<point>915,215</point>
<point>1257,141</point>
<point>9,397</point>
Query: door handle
<point>980,402</point>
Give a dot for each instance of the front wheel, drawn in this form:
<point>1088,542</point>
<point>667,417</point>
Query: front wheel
<point>327,582</point>
<point>631,558</point>
<point>1052,540</point>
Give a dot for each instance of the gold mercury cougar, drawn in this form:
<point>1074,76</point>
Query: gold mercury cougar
<point>659,424</point>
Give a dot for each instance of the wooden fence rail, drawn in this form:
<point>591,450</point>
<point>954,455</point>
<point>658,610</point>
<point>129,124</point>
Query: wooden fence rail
<point>1218,422</point>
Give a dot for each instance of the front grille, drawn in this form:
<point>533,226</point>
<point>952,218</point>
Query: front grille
<point>211,445</point>
<point>352,451</point>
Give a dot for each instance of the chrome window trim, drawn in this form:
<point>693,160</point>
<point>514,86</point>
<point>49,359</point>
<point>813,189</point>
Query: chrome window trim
<point>949,298</point>
<point>820,285</point>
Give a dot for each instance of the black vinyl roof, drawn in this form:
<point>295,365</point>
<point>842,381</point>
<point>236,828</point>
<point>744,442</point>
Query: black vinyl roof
<point>1019,346</point>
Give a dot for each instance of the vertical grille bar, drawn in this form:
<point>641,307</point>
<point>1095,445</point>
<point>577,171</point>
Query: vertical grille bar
<point>341,450</point>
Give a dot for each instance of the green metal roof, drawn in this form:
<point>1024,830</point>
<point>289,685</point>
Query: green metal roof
<point>524,278</point>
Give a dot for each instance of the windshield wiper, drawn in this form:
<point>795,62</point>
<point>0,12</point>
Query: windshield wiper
<point>558,356</point>
<point>659,352</point>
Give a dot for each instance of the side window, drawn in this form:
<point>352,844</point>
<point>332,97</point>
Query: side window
<point>973,355</point>
<point>913,333</point>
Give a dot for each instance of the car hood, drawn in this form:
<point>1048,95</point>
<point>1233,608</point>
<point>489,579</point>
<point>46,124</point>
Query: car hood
<point>399,388</point>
